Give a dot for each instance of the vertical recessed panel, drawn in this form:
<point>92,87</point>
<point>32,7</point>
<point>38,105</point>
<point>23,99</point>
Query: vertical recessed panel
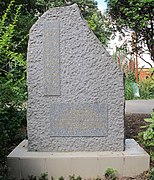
<point>51,58</point>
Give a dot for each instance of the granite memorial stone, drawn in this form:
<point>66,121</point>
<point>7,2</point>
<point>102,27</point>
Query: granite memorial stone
<point>75,89</point>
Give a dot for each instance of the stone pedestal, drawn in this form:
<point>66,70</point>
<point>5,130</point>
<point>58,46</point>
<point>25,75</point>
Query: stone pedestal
<point>133,161</point>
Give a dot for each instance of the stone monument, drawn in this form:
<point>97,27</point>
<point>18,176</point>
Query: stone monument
<point>76,91</point>
<point>75,105</point>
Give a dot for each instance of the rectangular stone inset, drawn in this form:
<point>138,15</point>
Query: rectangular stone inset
<point>78,119</point>
<point>51,58</point>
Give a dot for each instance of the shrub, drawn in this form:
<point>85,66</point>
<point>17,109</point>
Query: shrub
<point>151,175</point>
<point>110,174</point>
<point>147,135</point>
<point>75,178</point>
<point>146,88</point>
<point>43,176</point>
<point>61,178</point>
<point>130,78</point>
<point>12,82</point>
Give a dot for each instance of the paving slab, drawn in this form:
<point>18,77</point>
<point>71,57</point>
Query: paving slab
<point>139,106</point>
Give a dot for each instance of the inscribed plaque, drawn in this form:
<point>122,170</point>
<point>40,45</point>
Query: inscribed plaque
<point>78,119</point>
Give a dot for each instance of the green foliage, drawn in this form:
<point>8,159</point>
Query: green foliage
<point>52,178</point>
<point>75,178</point>
<point>6,178</point>
<point>136,15</point>
<point>151,175</point>
<point>130,78</point>
<point>12,82</point>
<point>146,88</point>
<point>61,178</point>
<point>24,21</point>
<point>128,91</point>
<point>147,135</point>
<point>110,174</point>
<point>44,176</point>
<point>151,71</point>
<point>99,24</point>
<point>33,9</point>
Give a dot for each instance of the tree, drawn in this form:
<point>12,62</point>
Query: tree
<point>137,15</point>
<point>32,9</point>
<point>99,24</point>
<point>25,21</point>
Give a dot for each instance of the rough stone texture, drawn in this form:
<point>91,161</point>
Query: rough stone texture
<point>88,75</point>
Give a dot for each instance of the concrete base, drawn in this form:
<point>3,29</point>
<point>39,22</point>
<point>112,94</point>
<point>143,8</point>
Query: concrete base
<point>133,161</point>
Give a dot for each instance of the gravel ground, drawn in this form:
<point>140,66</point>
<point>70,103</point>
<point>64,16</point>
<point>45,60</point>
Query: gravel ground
<point>133,122</point>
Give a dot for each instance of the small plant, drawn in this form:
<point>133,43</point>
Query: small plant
<point>52,178</point>
<point>146,87</point>
<point>61,178</point>
<point>151,174</point>
<point>44,176</point>
<point>147,135</point>
<point>110,174</point>
<point>75,178</point>
<point>78,178</point>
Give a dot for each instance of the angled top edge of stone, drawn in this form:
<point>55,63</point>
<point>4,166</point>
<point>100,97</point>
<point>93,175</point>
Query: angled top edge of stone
<point>72,9</point>
<point>43,16</point>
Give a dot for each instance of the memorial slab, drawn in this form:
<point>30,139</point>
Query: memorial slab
<point>75,89</point>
